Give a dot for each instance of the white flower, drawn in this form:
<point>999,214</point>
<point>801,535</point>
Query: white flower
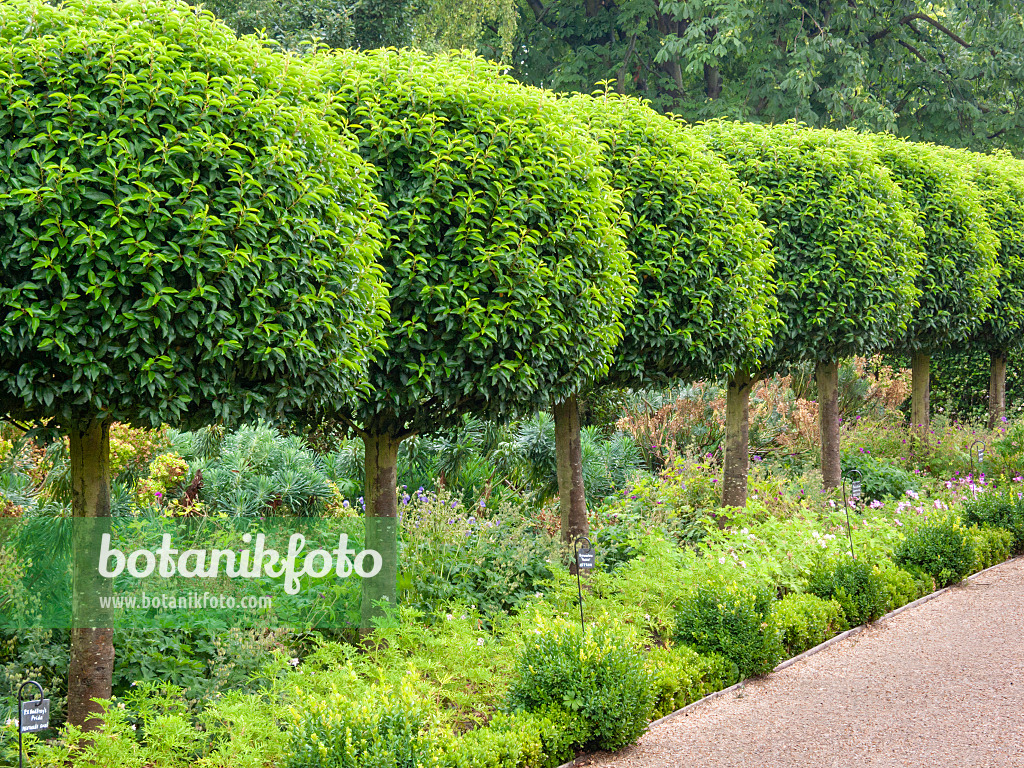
<point>479,641</point>
<point>120,705</point>
<point>294,662</point>
<point>742,564</point>
<point>538,595</point>
<point>11,721</point>
<point>721,560</point>
<point>745,531</point>
<point>450,617</point>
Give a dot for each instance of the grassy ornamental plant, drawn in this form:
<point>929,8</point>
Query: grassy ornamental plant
<point>178,241</point>
<point>504,255</point>
<point>845,259</point>
<point>706,305</point>
<point>958,280</point>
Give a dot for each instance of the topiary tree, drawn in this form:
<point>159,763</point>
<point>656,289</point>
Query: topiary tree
<point>507,268</point>
<point>999,179</point>
<point>178,241</point>
<point>845,258</point>
<point>705,305</point>
<point>957,281</point>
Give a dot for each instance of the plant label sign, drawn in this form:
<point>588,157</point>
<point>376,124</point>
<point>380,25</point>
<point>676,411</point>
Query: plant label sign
<point>35,715</point>
<point>855,489</point>
<point>585,558</point>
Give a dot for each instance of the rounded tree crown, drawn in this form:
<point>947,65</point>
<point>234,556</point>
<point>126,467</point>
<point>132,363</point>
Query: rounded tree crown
<point>846,244</point>
<point>178,241</point>
<point>958,279</point>
<point>706,300</point>
<point>504,252</point>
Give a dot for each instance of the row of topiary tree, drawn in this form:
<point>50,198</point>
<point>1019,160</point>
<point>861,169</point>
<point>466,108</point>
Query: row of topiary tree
<point>194,228</point>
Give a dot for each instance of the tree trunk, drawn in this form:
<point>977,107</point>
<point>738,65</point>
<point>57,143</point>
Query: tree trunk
<point>827,375</point>
<point>712,81</point>
<point>572,500</point>
<point>997,388</point>
<point>920,364</point>
<point>381,527</point>
<point>737,434</point>
<point>91,671</point>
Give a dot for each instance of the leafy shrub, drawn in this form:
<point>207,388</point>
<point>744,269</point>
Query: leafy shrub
<point>851,583</point>
<point>900,587</point>
<point>804,621</point>
<point>682,676</point>
<point>451,554</point>
<point>541,739</point>
<point>733,620</point>
<point>941,547</point>
<point>381,731</point>
<point>879,479</point>
<point>991,546</point>
<point>599,677</point>
<point>1002,508</point>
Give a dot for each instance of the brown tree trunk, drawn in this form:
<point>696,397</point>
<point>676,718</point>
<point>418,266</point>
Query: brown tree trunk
<point>737,435</point>
<point>920,365</point>
<point>91,671</point>
<point>827,375</point>
<point>572,500</point>
<point>712,81</point>
<point>997,388</point>
<point>381,519</point>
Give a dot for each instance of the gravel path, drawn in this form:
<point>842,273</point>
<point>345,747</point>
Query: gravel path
<point>939,685</point>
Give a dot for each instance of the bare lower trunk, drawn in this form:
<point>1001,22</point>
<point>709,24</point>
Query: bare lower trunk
<point>91,671</point>
<point>997,388</point>
<point>381,590</point>
<point>827,375</point>
<point>572,500</point>
<point>920,364</point>
<point>737,436</point>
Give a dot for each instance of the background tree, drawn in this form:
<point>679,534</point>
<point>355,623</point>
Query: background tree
<point>433,25</point>
<point>705,304</point>
<point>846,255</point>
<point>950,74</point>
<point>958,278</point>
<point>506,264</point>
<point>178,242</point>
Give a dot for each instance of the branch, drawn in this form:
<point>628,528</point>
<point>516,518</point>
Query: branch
<point>914,51</point>
<point>928,20</point>
<point>538,8</point>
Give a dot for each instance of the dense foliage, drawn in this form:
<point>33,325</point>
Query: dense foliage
<point>503,248</point>
<point>178,239</point>
<point>706,300</point>
<point>925,71</point>
<point>845,242</point>
<point>957,280</point>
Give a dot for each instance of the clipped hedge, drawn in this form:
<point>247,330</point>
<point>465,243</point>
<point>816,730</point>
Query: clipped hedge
<point>846,243</point>
<point>706,300</point>
<point>181,239</point>
<point>958,278</point>
<point>503,248</point>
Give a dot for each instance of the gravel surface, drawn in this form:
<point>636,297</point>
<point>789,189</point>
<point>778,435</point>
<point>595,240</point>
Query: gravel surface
<point>941,684</point>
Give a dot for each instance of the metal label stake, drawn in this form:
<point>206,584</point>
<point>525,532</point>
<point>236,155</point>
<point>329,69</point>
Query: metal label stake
<point>584,561</point>
<point>855,493</point>
<point>33,716</point>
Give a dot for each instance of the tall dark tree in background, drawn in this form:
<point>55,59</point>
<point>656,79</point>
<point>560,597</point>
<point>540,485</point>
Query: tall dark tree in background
<point>952,75</point>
